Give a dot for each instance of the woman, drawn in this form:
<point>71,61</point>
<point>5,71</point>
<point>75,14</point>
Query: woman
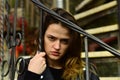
<point>61,58</point>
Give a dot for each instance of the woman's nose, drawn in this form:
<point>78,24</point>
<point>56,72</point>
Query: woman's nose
<point>57,45</point>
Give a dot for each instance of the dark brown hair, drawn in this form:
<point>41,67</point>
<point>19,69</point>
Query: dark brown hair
<point>73,64</point>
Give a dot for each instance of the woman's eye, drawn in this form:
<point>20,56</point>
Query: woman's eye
<point>51,38</point>
<point>65,41</point>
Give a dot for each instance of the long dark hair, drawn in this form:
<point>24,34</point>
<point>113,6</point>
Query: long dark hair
<point>73,65</point>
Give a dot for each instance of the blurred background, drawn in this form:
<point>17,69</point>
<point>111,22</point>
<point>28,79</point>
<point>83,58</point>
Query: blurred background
<point>97,17</point>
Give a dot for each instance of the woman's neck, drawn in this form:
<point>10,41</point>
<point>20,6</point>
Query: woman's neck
<point>54,64</point>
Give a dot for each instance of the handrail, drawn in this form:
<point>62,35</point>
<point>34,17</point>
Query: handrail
<point>77,28</point>
<point>13,62</point>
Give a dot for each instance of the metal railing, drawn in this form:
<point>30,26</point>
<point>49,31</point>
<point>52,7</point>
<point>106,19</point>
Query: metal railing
<point>13,62</point>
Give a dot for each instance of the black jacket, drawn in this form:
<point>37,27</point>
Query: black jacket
<point>46,75</point>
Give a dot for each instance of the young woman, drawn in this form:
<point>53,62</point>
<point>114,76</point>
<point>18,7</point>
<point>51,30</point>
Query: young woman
<point>61,56</point>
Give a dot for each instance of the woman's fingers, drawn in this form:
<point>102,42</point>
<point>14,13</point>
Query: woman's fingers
<point>37,63</point>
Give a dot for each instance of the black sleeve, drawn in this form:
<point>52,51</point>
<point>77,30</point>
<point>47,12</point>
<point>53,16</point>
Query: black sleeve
<point>31,76</point>
<point>23,69</point>
<point>24,73</point>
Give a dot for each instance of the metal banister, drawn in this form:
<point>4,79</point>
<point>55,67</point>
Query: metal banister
<point>77,28</point>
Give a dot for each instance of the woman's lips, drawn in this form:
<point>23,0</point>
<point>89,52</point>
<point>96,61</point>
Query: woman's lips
<point>55,53</point>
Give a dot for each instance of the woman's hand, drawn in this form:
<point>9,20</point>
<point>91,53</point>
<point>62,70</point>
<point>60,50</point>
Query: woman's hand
<point>37,63</point>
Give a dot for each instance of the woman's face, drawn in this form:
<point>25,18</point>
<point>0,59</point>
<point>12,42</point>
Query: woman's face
<point>56,41</point>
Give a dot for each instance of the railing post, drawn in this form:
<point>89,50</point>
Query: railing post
<point>86,57</point>
<point>118,12</point>
<point>2,37</point>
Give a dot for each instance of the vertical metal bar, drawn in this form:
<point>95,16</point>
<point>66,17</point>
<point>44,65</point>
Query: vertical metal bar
<point>118,12</point>
<point>2,37</point>
<point>23,27</point>
<point>40,48</point>
<point>13,51</point>
<point>41,31</point>
<point>86,57</point>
